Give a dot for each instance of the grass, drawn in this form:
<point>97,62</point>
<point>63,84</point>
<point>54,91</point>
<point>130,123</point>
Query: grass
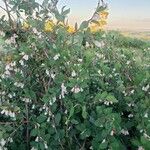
<point>140,35</point>
<point>139,48</point>
<point>119,40</point>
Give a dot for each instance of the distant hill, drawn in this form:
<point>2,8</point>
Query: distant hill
<point>140,35</point>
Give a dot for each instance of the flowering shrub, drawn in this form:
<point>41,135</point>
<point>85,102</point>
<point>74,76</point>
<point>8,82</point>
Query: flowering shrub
<point>64,88</point>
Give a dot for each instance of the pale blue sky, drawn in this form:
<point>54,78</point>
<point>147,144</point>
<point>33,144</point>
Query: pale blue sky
<point>119,8</point>
<point>124,14</point>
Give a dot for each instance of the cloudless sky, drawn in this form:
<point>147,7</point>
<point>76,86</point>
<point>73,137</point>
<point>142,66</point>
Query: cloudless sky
<point>124,14</point>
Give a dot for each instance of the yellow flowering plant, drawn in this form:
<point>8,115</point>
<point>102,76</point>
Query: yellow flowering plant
<point>99,18</point>
<point>48,26</point>
<point>99,22</point>
<point>103,14</point>
<point>71,29</point>
<point>25,25</point>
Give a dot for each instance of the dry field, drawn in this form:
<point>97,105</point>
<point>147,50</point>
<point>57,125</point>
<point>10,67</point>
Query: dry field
<point>144,35</point>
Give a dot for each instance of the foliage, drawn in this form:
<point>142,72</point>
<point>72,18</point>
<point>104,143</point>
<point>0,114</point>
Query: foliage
<point>121,41</point>
<point>62,90</point>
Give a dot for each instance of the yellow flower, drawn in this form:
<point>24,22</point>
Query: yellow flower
<point>102,22</point>
<point>25,25</point>
<point>48,26</point>
<point>94,27</point>
<point>103,15</point>
<point>71,29</point>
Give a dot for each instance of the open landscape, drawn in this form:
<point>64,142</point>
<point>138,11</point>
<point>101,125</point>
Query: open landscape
<point>140,35</point>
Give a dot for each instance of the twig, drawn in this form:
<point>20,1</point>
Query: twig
<point>15,130</point>
<point>53,119</point>
<point>8,13</point>
<point>82,148</point>
<point>102,1</point>
<point>55,2</point>
<point>98,5</point>
<point>77,141</point>
<point>27,130</point>
<point>9,123</point>
<point>94,12</point>
<point>3,8</point>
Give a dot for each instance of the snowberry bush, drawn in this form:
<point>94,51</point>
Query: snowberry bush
<point>63,87</point>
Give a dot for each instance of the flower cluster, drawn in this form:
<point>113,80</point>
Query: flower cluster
<point>99,20</point>
<point>25,25</point>
<point>9,113</point>
<point>48,26</point>
<point>76,89</point>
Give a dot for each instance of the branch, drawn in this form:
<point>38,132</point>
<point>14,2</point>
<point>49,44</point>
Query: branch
<point>55,2</point>
<point>8,13</point>
<point>3,8</point>
<point>27,130</point>
<point>9,123</point>
<point>102,1</point>
<point>53,120</point>
<point>98,4</point>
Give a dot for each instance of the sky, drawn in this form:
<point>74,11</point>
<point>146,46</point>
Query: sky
<point>123,14</point>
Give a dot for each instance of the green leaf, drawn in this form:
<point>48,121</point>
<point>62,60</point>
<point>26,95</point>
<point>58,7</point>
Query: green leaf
<point>111,98</point>
<point>84,25</point>
<point>42,147</point>
<point>73,121</point>
<point>34,132</point>
<point>46,98</point>
<point>41,118</point>
<point>45,3</point>
<point>84,113</point>
<point>99,122</point>
<point>62,10</point>
<point>117,145</point>
<point>1,134</point>
<point>86,133</point>
<point>71,111</point>
<point>99,109</point>
<point>145,142</point>
<point>104,95</point>
<point>70,114</point>
<point>58,16</point>
<point>64,13</point>
<point>101,8</point>
<point>135,142</point>
<point>57,118</point>
<point>103,145</point>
